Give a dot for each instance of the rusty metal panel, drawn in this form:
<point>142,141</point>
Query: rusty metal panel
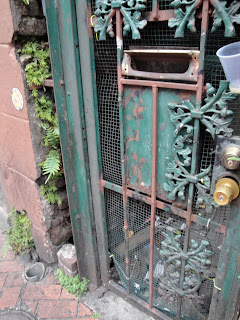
<point>138,117</point>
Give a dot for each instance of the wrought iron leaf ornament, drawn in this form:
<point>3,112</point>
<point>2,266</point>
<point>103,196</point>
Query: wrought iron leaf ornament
<point>185,11</point>
<point>226,15</point>
<point>197,265</point>
<point>214,115</point>
<point>131,11</point>
<point>184,17</point>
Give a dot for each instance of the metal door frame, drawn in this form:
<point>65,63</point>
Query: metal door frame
<point>82,160</point>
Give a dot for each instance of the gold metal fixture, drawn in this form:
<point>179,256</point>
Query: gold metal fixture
<point>228,153</point>
<point>226,190</point>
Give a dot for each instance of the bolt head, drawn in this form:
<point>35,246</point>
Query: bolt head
<point>221,197</point>
<point>230,163</point>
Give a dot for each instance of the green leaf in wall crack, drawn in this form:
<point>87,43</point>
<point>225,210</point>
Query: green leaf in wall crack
<point>51,166</point>
<point>26,1</point>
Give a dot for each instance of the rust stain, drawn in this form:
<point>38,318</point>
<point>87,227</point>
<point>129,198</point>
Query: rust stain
<point>139,178</point>
<point>101,184</point>
<point>134,156</point>
<point>125,225</point>
<point>135,136</point>
<point>134,170</point>
<point>184,95</point>
<point>131,94</point>
<point>89,14</point>
<point>137,112</point>
<point>142,162</point>
<point>128,118</point>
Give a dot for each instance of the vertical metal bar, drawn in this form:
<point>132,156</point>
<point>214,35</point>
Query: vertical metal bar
<point>155,9</point>
<point>154,187</point>
<point>119,39</point>
<point>200,86</point>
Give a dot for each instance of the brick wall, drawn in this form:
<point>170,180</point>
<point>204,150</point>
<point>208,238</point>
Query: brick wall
<point>18,169</point>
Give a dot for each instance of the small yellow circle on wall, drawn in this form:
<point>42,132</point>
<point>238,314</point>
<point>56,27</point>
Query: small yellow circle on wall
<point>17,99</point>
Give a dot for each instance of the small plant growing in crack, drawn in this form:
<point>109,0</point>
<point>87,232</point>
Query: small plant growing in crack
<point>37,70</point>
<point>73,285</point>
<point>95,315</point>
<point>26,1</point>
<point>19,236</point>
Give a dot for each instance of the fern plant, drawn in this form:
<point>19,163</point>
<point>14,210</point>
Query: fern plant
<point>51,138</point>
<point>51,166</point>
<point>37,70</point>
<point>45,108</point>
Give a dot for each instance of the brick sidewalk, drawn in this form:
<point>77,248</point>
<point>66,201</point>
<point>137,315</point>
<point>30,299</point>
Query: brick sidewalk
<point>44,300</point>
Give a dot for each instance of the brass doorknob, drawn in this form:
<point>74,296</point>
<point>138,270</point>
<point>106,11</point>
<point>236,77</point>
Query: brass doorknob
<point>226,190</point>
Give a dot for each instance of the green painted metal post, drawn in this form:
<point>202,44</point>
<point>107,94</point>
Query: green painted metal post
<point>62,31</point>
<point>86,51</point>
<point>227,284</point>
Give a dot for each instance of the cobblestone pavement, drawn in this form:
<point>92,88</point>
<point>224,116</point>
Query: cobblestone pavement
<point>45,299</point>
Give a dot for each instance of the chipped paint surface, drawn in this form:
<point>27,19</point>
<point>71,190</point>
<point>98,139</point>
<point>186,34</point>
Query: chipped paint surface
<point>138,131</point>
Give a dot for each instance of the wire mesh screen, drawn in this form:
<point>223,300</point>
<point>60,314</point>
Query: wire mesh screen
<point>107,91</point>
<point>157,34</point>
<point>115,223</point>
<point>164,4</point>
<point>199,233</point>
<point>148,6</point>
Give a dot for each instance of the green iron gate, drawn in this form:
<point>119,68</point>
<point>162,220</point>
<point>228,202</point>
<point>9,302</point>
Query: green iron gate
<point>158,125</point>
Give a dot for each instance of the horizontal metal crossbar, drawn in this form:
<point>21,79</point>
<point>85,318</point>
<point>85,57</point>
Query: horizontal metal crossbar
<point>208,223</point>
<point>160,84</point>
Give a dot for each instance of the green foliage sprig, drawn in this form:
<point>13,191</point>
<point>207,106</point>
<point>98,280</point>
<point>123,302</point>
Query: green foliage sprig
<point>73,285</point>
<point>51,165</point>
<point>37,70</point>
<point>19,236</point>
<point>49,192</point>
<point>52,136</point>
<point>26,1</point>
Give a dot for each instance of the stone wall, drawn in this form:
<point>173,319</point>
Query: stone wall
<point>20,140</point>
